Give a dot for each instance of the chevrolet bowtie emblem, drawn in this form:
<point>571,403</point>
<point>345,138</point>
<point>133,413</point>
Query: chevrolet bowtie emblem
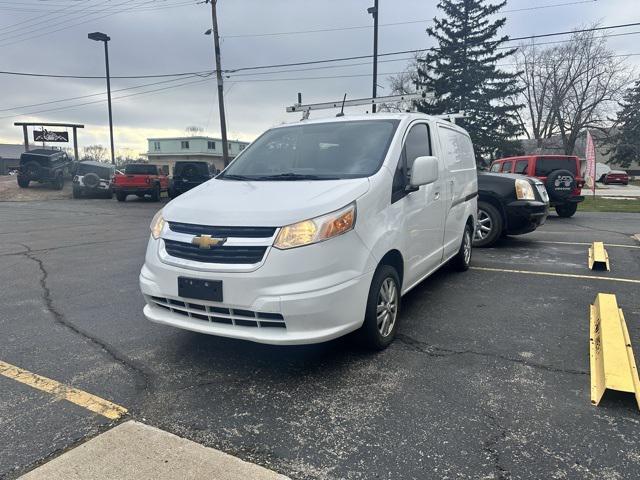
<point>207,241</point>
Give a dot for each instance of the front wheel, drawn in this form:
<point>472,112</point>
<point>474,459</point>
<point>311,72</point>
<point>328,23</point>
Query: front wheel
<point>462,260</point>
<point>58,184</point>
<point>383,309</point>
<point>566,210</point>
<point>77,192</point>
<point>23,182</point>
<point>488,226</point>
<point>121,196</point>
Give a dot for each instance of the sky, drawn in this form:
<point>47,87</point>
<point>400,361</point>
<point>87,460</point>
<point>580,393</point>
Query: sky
<point>152,37</point>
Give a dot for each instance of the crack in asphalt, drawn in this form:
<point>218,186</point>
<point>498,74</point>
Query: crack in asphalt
<point>60,247</point>
<point>435,351</point>
<point>490,447</point>
<point>141,371</point>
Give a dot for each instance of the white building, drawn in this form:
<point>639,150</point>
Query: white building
<point>167,151</point>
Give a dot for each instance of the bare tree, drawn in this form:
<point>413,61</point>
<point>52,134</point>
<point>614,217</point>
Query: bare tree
<point>97,153</point>
<point>403,83</point>
<point>570,88</point>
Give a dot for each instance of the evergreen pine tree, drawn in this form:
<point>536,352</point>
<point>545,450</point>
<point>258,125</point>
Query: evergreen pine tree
<point>626,141</point>
<point>462,73</point>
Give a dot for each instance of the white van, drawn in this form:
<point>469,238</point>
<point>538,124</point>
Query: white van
<point>315,230</point>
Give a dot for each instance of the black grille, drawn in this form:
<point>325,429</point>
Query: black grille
<point>233,232</point>
<point>223,254</point>
<point>228,316</point>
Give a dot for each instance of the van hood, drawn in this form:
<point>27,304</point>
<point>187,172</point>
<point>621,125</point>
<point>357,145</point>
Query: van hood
<point>262,203</point>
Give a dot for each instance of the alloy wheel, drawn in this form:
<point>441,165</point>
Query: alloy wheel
<point>466,248</point>
<point>484,225</point>
<point>387,307</point>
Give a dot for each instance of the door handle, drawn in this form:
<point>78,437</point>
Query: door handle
<point>436,196</point>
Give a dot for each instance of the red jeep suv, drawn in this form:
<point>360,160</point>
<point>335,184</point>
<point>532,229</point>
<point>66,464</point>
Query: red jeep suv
<point>559,173</point>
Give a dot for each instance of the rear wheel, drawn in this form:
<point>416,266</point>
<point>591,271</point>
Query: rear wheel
<point>155,195</point>
<point>121,196</point>
<point>566,210</point>
<point>488,226</point>
<point>383,309</point>
<point>23,182</point>
<point>462,260</point>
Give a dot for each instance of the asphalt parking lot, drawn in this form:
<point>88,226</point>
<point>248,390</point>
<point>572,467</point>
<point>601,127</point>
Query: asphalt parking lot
<point>489,377</point>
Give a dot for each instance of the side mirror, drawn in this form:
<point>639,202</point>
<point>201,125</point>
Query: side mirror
<point>424,171</point>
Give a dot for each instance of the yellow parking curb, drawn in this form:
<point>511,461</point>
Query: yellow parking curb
<point>598,256</point>
<point>61,391</point>
<point>613,365</point>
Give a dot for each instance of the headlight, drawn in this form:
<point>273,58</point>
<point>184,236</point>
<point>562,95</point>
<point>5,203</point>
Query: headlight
<point>317,229</point>
<point>157,224</point>
<point>524,190</point>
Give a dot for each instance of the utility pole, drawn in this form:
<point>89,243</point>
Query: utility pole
<point>216,45</point>
<point>374,11</point>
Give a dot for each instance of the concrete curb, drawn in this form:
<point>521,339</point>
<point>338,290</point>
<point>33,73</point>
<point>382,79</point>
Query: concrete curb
<point>136,450</point>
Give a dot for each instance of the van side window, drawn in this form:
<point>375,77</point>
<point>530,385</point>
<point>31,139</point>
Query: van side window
<point>521,167</point>
<point>495,167</point>
<point>417,144</point>
<point>506,167</point>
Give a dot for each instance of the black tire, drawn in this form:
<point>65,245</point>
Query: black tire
<point>489,227</point>
<point>462,260</point>
<point>58,183</point>
<point>566,210</point>
<point>23,182</point>
<point>370,332</point>
<point>155,195</point>
<point>32,169</point>
<point>121,196</point>
<point>108,193</point>
<point>77,192</point>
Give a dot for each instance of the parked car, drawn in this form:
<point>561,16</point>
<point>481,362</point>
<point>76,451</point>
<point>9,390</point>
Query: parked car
<point>559,173</point>
<point>315,230</point>
<point>140,179</point>
<point>616,176</point>
<point>43,166</point>
<point>187,175</point>
<point>508,204</point>
<point>93,178</point>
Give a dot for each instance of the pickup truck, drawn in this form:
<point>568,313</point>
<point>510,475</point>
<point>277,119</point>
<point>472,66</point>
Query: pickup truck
<point>140,179</point>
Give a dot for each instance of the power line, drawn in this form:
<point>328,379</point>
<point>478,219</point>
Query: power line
<point>362,27</point>
<point>66,27</point>
<point>62,100</point>
<point>316,62</point>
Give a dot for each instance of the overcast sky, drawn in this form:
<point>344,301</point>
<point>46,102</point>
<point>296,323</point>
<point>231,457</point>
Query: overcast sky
<point>166,36</point>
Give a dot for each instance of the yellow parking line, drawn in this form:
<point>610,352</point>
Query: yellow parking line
<point>552,274</point>
<point>59,390</point>
<point>587,243</point>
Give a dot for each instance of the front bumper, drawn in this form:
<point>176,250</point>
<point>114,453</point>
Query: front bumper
<point>524,216</point>
<point>319,291</point>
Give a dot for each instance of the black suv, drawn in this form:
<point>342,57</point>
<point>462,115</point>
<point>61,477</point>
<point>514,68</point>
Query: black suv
<point>93,178</point>
<point>187,175</point>
<point>43,166</point>
<point>508,204</point>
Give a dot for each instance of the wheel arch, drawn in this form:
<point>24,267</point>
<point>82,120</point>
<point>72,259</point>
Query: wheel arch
<point>393,258</point>
<point>497,204</point>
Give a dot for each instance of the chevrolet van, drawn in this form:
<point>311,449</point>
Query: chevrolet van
<point>315,230</point>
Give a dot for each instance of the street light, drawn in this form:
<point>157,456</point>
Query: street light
<point>103,37</point>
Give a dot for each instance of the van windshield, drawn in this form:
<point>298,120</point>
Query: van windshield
<point>320,151</point>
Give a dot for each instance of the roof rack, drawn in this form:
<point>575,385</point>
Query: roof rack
<point>306,109</point>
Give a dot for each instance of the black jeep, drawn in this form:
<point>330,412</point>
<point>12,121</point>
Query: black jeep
<point>93,178</point>
<point>43,166</point>
<point>187,175</point>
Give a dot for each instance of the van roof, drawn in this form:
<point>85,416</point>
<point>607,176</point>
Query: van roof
<point>405,116</point>
<point>537,155</point>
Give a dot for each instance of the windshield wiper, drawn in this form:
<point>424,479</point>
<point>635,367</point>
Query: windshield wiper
<point>294,176</point>
<point>234,177</point>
